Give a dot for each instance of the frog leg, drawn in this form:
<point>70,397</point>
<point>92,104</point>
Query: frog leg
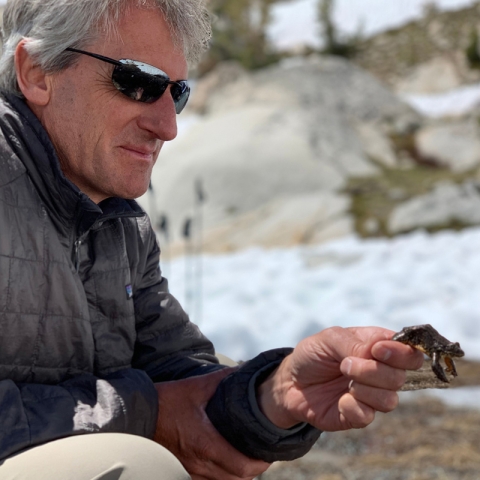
<point>451,366</point>
<point>437,368</point>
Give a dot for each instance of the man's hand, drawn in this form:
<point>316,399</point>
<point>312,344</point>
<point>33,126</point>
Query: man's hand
<point>184,428</point>
<point>338,378</point>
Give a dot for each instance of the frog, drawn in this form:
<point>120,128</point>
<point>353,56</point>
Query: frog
<point>426,339</point>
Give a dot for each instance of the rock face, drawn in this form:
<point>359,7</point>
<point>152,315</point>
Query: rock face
<point>408,55</point>
<point>437,75</point>
<point>226,72</point>
<point>447,203</point>
<point>454,144</point>
<point>376,145</point>
<point>269,140</point>
<point>284,222</point>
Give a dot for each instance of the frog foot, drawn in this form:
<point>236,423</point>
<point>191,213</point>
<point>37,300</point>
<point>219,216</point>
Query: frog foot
<point>438,369</point>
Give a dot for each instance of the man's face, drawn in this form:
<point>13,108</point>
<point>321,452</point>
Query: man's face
<point>106,142</point>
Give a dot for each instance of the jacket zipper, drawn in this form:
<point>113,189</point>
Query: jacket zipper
<point>76,255</point>
<point>76,250</point>
<point>79,240</point>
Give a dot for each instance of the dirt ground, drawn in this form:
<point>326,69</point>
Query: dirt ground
<point>423,439</point>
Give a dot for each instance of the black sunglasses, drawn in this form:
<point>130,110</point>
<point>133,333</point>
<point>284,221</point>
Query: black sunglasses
<point>142,82</point>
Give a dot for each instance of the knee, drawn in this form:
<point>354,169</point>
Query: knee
<point>141,458</point>
<point>99,456</point>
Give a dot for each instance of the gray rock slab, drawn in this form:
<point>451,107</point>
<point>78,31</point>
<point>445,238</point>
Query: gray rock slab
<point>439,74</point>
<point>318,82</point>
<point>446,203</point>
<point>455,144</point>
<point>376,144</point>
<point>295,219</point>
<point>245,158</point>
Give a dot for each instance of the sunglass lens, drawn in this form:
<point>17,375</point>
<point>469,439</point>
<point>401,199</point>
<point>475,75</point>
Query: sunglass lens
<point>180,95</point>
<point>138,85</point>
<point>148,86</point>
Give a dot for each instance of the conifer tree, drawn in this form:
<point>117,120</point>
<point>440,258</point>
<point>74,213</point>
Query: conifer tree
<point>240,33</point>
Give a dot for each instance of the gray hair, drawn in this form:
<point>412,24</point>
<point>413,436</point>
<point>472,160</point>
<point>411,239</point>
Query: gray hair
<point>51,26</point>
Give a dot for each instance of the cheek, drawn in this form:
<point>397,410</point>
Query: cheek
<point>73,138</point>
<point>66,121</point>
<point>76,110</point>
<point>91,134</point>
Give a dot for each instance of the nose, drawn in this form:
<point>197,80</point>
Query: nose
<point>160,118</point>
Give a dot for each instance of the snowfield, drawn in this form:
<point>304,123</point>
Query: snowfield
<point>453,103</point>
<point>260,299</point>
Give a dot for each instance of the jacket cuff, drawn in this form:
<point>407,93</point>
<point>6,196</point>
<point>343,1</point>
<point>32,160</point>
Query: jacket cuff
<point>234,412</point>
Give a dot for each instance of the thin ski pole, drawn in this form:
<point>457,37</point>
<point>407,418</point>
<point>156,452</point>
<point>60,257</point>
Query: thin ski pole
<point>199,200</point>
<point>187,235</point>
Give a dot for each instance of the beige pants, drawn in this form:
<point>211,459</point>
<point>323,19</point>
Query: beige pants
<point>102,456</point>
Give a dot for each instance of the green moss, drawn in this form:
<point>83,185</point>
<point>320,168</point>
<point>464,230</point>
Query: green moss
<point>404,142</point>
<point>372,197</point>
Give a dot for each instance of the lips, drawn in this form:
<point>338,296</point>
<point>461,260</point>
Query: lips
<point>139,151</point>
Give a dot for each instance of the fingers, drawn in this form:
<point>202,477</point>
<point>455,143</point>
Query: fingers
<point>205,454</point>
<point>357,341</point>
<point>329,360</point>
<point>354,413</point>
<point>374,382</point>
<point>209,470</point>
<point>387,371</point>
<point>398,355</point>
<point>218,459</point>
<point>316,359</point>
<point>373,373</point>
<point>358,406</point>
<point>378,399</point>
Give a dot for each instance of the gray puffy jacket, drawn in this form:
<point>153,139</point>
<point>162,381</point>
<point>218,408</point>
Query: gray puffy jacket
<point>87,324</point>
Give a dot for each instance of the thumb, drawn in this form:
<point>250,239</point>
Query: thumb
<point>317,359</point>
<point>353,341</point>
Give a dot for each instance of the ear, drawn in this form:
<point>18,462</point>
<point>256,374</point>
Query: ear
<point>32,80</point>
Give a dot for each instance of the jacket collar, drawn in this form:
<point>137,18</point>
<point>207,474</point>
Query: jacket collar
<point>68,207</point>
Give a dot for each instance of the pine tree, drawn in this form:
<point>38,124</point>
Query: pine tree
<point>332,43</point>
<point>240,33</point>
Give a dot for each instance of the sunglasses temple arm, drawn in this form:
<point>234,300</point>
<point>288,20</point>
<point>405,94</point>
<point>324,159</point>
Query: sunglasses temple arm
<point>95,55</point>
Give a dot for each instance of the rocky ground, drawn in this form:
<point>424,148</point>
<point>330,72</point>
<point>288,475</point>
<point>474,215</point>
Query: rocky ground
<point>423,439</point>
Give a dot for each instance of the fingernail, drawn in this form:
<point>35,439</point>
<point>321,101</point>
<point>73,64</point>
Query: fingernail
<point>347,366</point>
<point>384,354</point>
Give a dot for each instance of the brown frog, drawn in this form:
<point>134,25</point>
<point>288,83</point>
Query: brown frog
<point>426,339</point>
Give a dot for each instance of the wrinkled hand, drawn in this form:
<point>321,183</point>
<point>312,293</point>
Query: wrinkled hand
<point>184,428</point>
<point>338,378</point>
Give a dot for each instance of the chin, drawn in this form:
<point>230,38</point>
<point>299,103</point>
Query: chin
<point>130,193</point>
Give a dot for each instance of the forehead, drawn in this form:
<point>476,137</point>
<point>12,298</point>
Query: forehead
<point>143,34</point>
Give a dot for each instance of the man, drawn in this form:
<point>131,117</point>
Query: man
<point>97,359</point>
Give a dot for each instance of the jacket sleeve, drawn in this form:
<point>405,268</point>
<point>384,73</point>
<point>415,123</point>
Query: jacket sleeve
<point>30,414</point>
<point>235,413</point>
